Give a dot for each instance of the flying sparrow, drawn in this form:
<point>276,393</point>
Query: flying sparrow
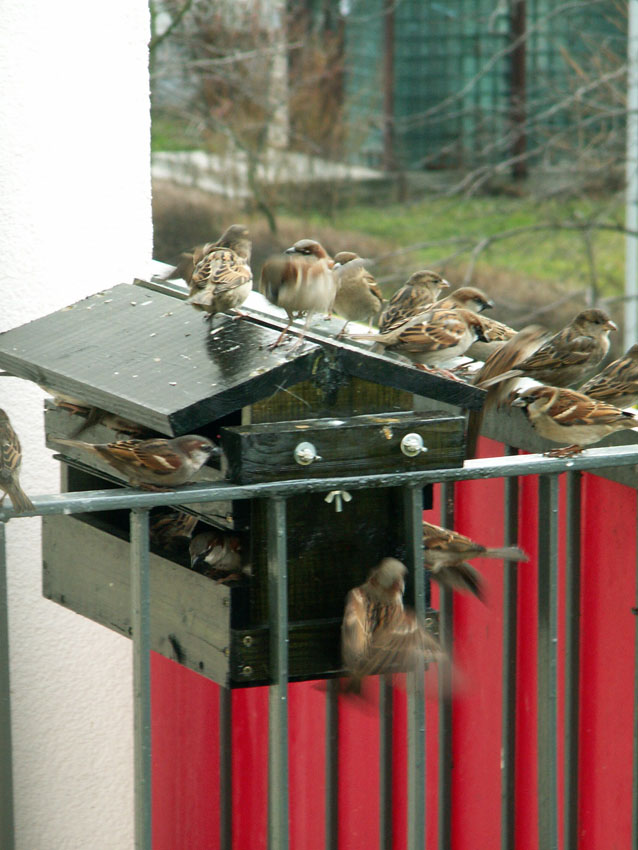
<point>465,297</point>
<point>358,297</point>
<point>567,416</point>
<point>301,283</point>
<point>10,460</point>
<point>504,359</point>
<point>446,554</point>
<point>380,635</point>
<point>617,384</point>
<point>156,464</point>
<point>217,554</point>
<point>568,355</point>
<point>222,279</point>
<point>187,262</point>
<point>433,338</point>
<point>417,294</point>
<point>172,530</point>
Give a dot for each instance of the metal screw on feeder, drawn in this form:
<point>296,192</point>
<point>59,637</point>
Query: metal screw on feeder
<point>338,496</point>
<point>412,445</point>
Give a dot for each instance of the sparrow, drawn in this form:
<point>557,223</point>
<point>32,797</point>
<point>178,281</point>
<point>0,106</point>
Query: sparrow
<point>566,357</point>
<point>10,460</point>
<point>432,338</point>
<point>217,554</point>
<point>172,530</point>
<point>466,297</point>
<point>417,294</point>
<point>504,359</point>
<point>301,283</point>
<point>358,297</point>
<point>617,384</point>
<point>567,416</point>
<point>446,554</point>
<point>222,279</point>
<point>187,262</point>
<point>378,633</point>
<point>157,464</point>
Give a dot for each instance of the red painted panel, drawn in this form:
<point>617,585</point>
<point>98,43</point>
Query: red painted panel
<point>185,710</point>
<point>608,624</point>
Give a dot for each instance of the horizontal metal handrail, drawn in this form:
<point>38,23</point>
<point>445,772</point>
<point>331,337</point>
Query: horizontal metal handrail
<point>502,467</point>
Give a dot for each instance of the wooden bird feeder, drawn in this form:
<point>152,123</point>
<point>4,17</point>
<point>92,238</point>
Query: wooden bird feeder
<point>330,408</point>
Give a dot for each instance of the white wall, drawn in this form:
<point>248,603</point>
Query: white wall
<point>74,218</point>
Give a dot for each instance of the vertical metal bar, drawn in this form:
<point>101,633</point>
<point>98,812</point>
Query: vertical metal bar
<point>7,831</point>
<point>386,716</point>
<point>510,628</point>
<point>413,512</point>
<point>225,769</point>
<point>446,621</point>
<point>547,660</point>
<point>631,179</point>
<point>278,692</point>
<point>572,658</point>
<point>141,627</point>
<point>332,764</point>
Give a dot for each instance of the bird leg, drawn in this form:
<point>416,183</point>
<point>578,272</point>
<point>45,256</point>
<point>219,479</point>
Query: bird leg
<point>342,332</point>
<point>565,451</point>
<point>277,342</point>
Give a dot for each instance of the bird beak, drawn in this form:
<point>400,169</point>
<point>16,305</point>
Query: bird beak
<point>292,250</point>
<point>518,402</point>
<point>489,304</point>
<point>445,284</point>
<point>612,326</point>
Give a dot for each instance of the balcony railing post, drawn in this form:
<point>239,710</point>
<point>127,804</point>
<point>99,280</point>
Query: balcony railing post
<point>572,659</point>
<point>510,630</point>
<point>7,835</point>
<point>225,769</point>
<point>278,695</point>
<point>446,630</point>
<point>141,627</point>
<point>413,502</point>
<point>547,660</point>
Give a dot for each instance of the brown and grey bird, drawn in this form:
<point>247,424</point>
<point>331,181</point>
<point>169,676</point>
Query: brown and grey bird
<point>172,530</point>
<point>417,294</point>
<point>217,554</point>
<point>222,279</point>
<point>10,461</point>
<point>157,464</point>
<point>465,297</point>
<point>567,416</point>
<point>504,359</point>
<point>569,355</point>
<point>433,338</point>
<point>301,282</point>
<point>617,384</point>
<point>447,552</point>
<point>358,297</point>
<point>378,633</point>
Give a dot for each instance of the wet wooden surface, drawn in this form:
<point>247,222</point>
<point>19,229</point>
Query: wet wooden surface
<point>148,356</point>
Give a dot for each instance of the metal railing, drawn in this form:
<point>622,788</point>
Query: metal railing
<point>510,467</point>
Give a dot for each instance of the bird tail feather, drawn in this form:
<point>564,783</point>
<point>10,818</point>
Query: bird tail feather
<point>461,577</point>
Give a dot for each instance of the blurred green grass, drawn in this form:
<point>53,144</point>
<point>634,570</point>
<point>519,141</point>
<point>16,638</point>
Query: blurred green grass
<point>550,253</point>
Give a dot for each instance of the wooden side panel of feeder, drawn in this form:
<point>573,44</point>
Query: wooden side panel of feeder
<point>87,570</point>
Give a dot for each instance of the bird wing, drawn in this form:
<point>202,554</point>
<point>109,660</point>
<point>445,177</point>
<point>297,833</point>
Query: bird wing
<point>10,452</point>
<point>619,379</point>
<point>445,540</point>
<point>221,270</point>
<point>403,305</point>
<point>444,330</point>
<point>402,644</point>
<point>569,407</point>
<point>156,456</point>
<point>356,630</point>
